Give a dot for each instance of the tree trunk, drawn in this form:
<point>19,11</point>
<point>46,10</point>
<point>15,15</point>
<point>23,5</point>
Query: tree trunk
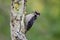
<point>17,21</point>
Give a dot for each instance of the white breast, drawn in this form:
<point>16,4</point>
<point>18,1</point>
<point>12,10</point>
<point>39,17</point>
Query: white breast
<point>28,17</point>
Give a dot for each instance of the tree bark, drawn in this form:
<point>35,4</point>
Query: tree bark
<point>17,21</point>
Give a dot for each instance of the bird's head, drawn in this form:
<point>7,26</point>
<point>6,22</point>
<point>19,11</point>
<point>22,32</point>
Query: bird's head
<point>37,13</point>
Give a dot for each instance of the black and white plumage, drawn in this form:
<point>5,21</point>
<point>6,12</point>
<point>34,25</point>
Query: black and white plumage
<point>30,19</point>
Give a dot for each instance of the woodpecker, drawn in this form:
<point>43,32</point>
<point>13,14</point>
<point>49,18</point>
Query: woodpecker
<point>30,19</point>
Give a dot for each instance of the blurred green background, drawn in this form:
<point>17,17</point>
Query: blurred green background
<point>46,27</point>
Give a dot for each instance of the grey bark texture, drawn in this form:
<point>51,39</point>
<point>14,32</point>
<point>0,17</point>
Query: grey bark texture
<point>17,21</point>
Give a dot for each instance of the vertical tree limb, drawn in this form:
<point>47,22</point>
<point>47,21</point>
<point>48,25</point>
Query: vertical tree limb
<point>17,17</point>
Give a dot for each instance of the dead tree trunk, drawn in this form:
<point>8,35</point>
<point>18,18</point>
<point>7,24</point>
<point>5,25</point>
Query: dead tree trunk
<point>17,17</point>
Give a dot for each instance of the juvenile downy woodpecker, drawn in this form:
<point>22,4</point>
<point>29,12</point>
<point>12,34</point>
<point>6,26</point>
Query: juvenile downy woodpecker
<point>30,19</point>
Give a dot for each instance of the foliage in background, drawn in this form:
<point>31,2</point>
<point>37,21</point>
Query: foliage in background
<point>46,27</point>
